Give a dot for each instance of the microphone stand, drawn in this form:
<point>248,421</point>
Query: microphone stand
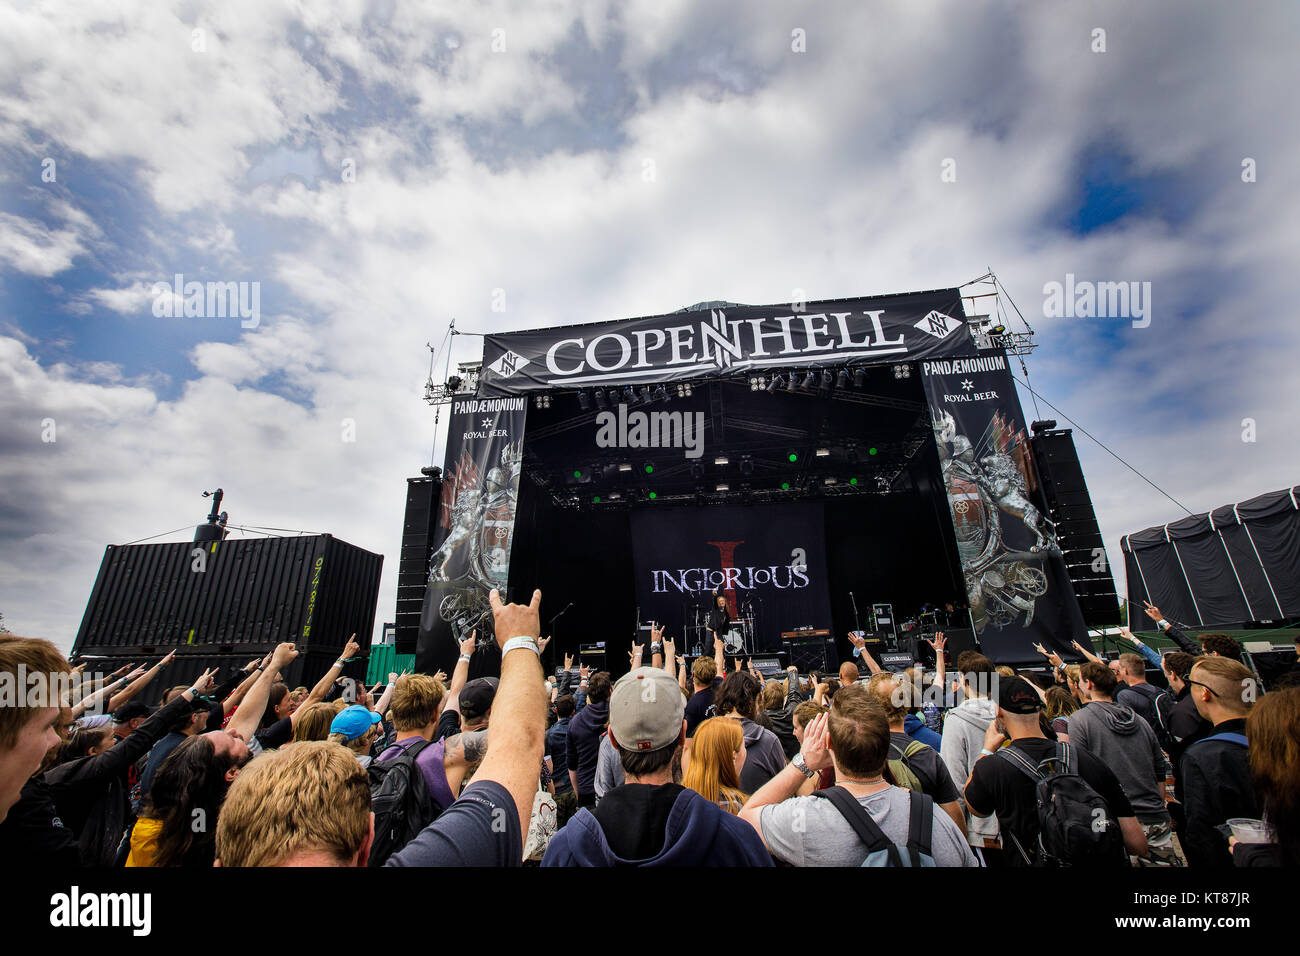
<point>857,618</point>
<point>550,627</point>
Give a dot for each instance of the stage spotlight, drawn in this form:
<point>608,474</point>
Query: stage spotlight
<point>661,394</point>
<point>827,381</point>
<point>998,330</point>
<point>808,382</point>
<point>686,390</point>
<point>721,460</point>
<point>746,465</point>
<point>828,481</point>
<point>823,452</point>
<point>793,385</point>
<point>601,402</point>
<point>625,466</point>
<point>723,487</point>
<point>859,377</point>
<point>453,383</point>
<point>842,380</point>
<point>584,401</point>
<point>629,396</point>
<point>902,371</point>
<point>777,382</point>
<point>645,395</point>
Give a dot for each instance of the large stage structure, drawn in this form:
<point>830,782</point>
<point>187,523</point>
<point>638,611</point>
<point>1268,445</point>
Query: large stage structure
<point>804,460</point>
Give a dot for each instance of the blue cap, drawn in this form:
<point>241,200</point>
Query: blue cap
<point>354,721</point>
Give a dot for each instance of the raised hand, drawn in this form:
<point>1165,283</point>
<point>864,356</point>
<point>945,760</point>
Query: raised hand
<point>656,633</point>
<point>283,655</point>
<point>857,640</point>
<point>170,656</point>
<point>467,646</point>
<point>1039,647</point>
<point>206,681</point>
<point>815,747</point>
<point>541,645</point>
<point>516,620</point>
<point>568,662</point>
<point>350,649</point>
<point>1153,612</point>
<point>440,676</point>
<point>138,672</point>
<point>584,672</point>
<point>251,666</point>
<point>939,642</point>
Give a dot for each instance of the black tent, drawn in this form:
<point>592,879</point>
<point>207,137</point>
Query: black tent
<point>1235,565</point>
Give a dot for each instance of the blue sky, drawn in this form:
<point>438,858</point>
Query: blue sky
<point>587,161</point>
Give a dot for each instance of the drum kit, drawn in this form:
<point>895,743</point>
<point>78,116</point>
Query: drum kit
<point>738,638</point>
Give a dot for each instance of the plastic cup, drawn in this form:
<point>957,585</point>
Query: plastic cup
<point>1247,830</point>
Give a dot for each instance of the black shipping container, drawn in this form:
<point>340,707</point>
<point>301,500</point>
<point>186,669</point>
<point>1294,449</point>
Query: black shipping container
<point>231,597</point>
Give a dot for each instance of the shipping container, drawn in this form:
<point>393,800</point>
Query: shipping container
<point>385,660</point>
<point>231,597</point>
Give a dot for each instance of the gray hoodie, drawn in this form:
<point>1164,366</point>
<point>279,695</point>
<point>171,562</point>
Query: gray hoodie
<point>1126,744</point>
<point>764,758</point>
<point>964,728</point>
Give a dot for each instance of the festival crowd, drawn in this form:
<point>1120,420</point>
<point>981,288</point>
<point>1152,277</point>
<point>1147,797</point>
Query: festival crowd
<point>677,763</point>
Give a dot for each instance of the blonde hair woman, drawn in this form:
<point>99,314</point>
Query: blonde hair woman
<point>717,754</point>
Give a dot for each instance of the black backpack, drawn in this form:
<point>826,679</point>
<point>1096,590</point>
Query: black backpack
<point>1162,704</point>
<point>1075,827</point>
<point>399,796</point>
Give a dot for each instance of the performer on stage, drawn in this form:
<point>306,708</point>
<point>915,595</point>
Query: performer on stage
<point>719,617</point>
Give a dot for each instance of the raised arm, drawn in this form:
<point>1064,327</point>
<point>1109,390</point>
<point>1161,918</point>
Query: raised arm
<point>860,650</point>
<point>94,698</point>
<point>323,685</point>
<point>245,720</point>
<point>382,706</point>
<point>1087,653</point>
<point>254,669</point>
<point>514,759</point>
<point>142,680</point>
<point>460,674</point>
<point>719,657</point>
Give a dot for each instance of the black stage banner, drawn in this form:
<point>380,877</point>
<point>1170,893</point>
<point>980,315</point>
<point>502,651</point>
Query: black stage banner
<point>1016,580</point>
<point>476,520</point>
<point>703,343</point>
<point>768,561</point>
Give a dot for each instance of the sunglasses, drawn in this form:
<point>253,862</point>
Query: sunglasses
<point>1188,680</point>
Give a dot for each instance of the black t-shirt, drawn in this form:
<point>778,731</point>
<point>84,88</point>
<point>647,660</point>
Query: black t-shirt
<point>998,786</point>
<point>634,818</point>
<point>448,724</point>
<point>718,620</point>
<point>697,708</point>
<point>936,781</point>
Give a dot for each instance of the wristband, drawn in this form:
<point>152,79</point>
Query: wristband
<point>517,642</point>
<point>465,659</point>
<point>341,663</point>
<point>985,752</point>
<point>1163,624</point>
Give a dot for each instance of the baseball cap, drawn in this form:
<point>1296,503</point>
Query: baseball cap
<point>645,710</point>
<point>476,697</point>
<point>1016,696</point>
<point>354,721</point>
<point>131,710</point>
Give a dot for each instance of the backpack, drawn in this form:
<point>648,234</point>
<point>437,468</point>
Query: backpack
<point>1239,739</point>
<point>1075,827</point>
<point>903,773</point>
<point>399,796</point>
<point>882,851</point>
<point>542,825</point>
<point>1163,705</point>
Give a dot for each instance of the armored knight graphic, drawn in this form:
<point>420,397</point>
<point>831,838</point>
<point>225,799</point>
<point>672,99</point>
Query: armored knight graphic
<point>464,515</point>
<point>1000,584</point>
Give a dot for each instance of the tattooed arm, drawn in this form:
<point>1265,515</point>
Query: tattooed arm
<point>463,755</point>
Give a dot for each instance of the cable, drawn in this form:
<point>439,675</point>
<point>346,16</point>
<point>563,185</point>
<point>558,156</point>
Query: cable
<point>1103,446</point>
<point>152,536</point>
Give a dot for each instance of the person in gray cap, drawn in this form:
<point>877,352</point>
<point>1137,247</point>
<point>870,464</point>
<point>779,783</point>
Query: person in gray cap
<point>650,820</point>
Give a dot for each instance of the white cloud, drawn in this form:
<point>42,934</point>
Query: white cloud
<point>824,174</point>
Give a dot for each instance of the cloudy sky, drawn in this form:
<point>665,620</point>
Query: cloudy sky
<point>381,167</point>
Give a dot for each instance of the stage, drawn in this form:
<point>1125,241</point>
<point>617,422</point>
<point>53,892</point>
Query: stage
<point>806,465</point>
